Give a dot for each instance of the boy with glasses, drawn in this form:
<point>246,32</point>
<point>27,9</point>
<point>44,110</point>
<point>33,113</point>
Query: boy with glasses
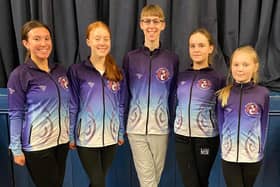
<point>151,75</point>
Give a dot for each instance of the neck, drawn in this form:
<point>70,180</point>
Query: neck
<point>98,62</point>
<point>152,45</point>
<point>198,66</point>
<point>42,64</point>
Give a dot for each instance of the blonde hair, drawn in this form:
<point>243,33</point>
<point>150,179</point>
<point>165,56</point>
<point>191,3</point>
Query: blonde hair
<point>112,71</point>
<point>152,10</point>
<point>224,93</point>
<point>210,39</point>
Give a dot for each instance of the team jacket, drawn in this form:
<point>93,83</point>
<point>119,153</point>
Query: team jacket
<point>151,79</point>
<point>96,113</point>
<point>243,123</point>
<point>38,107</point>
<point>196,103</point>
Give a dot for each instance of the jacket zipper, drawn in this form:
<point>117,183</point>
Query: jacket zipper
<point>149,89</point>
<point>103,120</point>
<point>189,106</point>
<point>239,114</point>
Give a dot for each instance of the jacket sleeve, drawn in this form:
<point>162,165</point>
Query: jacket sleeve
<point>123,97</point>
<point>265,119</point>
<point>172,99</point>
<point>16,104</point>
<point>220,116</point>
<point>74,102</point>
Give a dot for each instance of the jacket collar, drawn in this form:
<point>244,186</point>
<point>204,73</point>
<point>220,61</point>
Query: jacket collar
<point>31,64</point>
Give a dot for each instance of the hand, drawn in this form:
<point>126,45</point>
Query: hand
<point>72,145</point>
<point>19,160</point>
<point>120,142</point>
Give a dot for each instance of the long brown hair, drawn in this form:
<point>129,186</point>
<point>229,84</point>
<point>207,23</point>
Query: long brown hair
<point>112,71</point>
<point>27,27</point>
<point>224,93</point>
<point>210,39</point>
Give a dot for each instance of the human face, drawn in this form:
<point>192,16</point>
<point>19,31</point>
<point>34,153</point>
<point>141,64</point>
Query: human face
<point>243,67</point>
<point>152,27</point>
<point>99,41</point>
<point>200,49</point>
<point>39,44</point>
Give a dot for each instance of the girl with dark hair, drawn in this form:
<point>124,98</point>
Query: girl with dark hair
<point>38,109</point>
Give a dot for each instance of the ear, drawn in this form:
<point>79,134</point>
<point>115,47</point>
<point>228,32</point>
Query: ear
<point>163,26</point>
<point>88,42</point>
<point>141,25</point>
<point>25,44</point>
<point>211,49</point>
<point>256,67</point>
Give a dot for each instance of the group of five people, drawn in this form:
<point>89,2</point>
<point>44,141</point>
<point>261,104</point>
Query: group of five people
<point>95,103</point>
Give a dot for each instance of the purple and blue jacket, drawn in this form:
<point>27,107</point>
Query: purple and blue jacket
<point>38,107</point>
<point>151,78</point>
<point>96,110</point>
<point>196,102</point>
<point>243,123</point>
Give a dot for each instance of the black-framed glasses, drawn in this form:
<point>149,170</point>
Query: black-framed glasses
<point>154,21</point>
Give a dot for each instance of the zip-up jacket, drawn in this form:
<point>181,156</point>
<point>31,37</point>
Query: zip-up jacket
<point>196,103</point>
<point>243,123</point>
<point>151,79</point>
<point>96,110</point>
<point>38,107</point>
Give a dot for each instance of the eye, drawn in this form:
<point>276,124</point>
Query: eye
<point>106,39</point>
<point>201,45</point>
<point>192,46</point>
<point>97,39</point>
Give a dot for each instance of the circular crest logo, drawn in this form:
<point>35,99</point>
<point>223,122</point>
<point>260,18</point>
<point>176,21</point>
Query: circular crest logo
<point>63,81</point>
<point>204,84</point>
<point>162,74</point>
<point>114,86</point>
<point>252,109</point>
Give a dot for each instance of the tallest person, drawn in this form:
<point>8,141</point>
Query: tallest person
<point>151,74</point>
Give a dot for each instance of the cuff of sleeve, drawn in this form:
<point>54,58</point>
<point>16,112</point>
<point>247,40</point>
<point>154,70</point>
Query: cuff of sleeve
<point>17,152</point>
<point>121,136</point>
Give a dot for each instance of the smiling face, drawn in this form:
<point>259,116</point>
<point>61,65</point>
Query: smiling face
<point>200,49</point>
<point>152,27</point>
<point>99,40</point>
<point>243,67</point>
<point>38,43</point>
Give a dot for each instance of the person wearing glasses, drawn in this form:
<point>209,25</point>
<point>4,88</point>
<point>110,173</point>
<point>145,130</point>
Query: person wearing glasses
<point>150,72</point>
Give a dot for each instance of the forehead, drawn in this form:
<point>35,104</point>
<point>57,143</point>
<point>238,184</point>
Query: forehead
<point>150,17</point>
<point>100,31</point>
<point>240,57</point>
<point>39,31</point>
<point>198,38</point>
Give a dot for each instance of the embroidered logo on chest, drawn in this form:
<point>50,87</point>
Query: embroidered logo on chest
<point>204,84</point>
<point>43,87</point>
<point>252,109</point>
<point>63,82</point>
<point>90,84</point>
<point>162,74</point>
<point>114,86</point>
<point>139,75</point>
<point>11,90</point>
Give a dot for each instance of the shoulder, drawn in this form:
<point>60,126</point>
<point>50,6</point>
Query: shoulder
<point>169,53</point>
<point>19,70</point>
<point>262,89</point>
<point>134,52</point>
